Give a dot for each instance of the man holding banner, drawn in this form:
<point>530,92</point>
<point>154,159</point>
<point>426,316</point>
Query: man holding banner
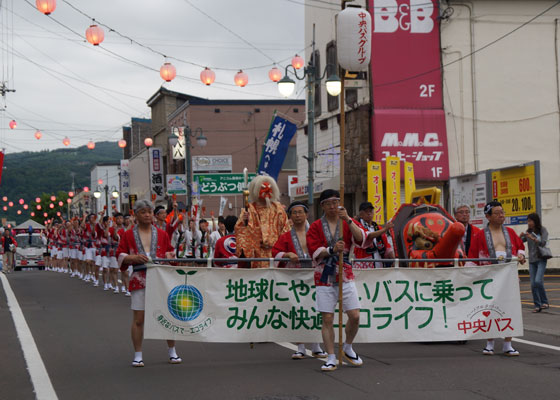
<point>137,247</point>
<point>497,241</point>
<point>325,242</point>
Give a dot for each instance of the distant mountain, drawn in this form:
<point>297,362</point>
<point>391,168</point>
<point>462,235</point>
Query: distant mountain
<point>29,174</point>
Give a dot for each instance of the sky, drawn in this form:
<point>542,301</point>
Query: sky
<point>65,86</point>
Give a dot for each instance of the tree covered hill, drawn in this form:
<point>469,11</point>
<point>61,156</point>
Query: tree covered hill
<point>28,174</point>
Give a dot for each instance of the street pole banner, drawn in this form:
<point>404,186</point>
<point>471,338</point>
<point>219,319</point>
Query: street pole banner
<point>393,182</point>
<point>276,146</point>
<point>156,174</point>
<point>409,182</point>
<point>375,190</point>
<point>397,304</point>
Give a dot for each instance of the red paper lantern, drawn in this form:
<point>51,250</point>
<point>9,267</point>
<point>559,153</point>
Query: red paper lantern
<point>38,135</point>
<point>25,206</point>
<point>71,194</point>
<point>5,208</point>
<point>58,213</point>
<point>297,62</point>
<point>91,145</point>
<point>60,203</point>
<point>51,205</point>
<point>69,201</point>
<point>45,215</point>
<point>13,124</point>
<point>38,206</point>
<point>21,201</point>
<point>66,141</point>
<point>241,78</point>
<point>86,189</point>
<point>46,6</point>
<point>148,142</point>
<point>18,212</point>
<point>122,143</point>
<point>275,74</point>
<point>5,198</point>
<point>207,76</point>
<point>53,198</point>
<point>11,203</point>
<point>100,181</point>
<point>32,214</point>
<point>167,72</point>
<point>37,199</point>
<point>95,35</point>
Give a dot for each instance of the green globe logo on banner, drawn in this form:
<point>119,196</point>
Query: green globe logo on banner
<point>185,302</point>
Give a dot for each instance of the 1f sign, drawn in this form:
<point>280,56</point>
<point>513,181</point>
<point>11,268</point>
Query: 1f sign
<point>416,17</point>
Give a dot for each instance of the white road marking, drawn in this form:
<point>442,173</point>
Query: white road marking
<point>546,346</point>
<point>44,389</point>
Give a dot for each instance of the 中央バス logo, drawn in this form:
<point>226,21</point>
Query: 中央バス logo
<point>185,302</point>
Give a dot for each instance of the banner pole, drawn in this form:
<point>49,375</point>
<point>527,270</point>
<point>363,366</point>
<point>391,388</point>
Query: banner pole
<point>341,254</point>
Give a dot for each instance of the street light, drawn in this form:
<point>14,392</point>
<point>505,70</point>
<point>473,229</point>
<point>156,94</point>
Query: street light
<point>286,87</point>
<point>114,194</point>
<point>201,141</point>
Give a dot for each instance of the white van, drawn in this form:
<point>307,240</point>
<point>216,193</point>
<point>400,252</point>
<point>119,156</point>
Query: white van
<point>29,251</point>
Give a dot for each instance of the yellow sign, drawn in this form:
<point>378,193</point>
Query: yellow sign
<point>409,182</point>
<point>393,179</point>
<point>375,190</point>
<point>515,188</point>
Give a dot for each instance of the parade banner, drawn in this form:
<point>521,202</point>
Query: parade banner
<point>393,182</point>
<point>375,190</point>
<point>125,180</point>
<point>397,304</point>
<point>409,182</point>
<point>276,146</point>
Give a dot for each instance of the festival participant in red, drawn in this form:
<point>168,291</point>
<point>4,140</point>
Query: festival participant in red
<point>226,245</point>
<point>9,245</point>
<point>293,245</point>
<point>160,221</point>
<point>137,247</point>
<point>119,229</point>
<point>101,260</point>
<point>380,247</point>
<point>90,237</point>
<point>497,241</point>
<point>259,227</point>
<point>324,245</point>
<point>462,214</point>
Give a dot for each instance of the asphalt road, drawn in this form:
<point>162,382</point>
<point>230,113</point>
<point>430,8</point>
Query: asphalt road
<point>82,334</point>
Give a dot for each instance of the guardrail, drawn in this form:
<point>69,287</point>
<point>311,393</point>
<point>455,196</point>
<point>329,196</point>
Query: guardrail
<point>274,261</point>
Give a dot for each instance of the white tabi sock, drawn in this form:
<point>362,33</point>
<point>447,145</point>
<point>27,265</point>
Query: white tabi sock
<point>507,346</point>
<point>301,348</point>
<point>172,352</point>
<point>348,350</point>
<point>490,344</point>
<point>331,359</point>
<point>316,348</point>
<point>138,356</point>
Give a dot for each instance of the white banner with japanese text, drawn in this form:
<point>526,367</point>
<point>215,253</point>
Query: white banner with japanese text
<point>278,305</point>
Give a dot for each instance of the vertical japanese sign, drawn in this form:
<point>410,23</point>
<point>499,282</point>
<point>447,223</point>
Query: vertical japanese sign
<point>179,149</point>
<point>156,174</point>
<point>375,191</point>
<point>278,305</point>
<point>408,119</point>
<point>1,164</point>
<point>276,145</point>
<point>125,181</point>
<point>393,182</point>
<point>409,182</point>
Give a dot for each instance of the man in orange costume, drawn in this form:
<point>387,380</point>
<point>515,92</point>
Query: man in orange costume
<point>261,224</point>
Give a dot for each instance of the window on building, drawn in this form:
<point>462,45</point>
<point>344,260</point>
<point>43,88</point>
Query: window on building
<point>332,101</point>
<point>290,162</point>
<point>316,59</point>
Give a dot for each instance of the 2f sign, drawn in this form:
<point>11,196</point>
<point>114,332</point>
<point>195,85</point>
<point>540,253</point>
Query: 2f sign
<point>427,90</point>
<point>415,17</point>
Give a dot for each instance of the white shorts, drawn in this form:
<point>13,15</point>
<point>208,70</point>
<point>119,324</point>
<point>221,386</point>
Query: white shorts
<point>327,298</point>
<point>59,254</point>
<point>79,255</point>
<point>98,261</point>
<point>138,300</point>
<point>53,251</point>
<point>73,253</point>
<point>90,254</point>
<point>110,262</point>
